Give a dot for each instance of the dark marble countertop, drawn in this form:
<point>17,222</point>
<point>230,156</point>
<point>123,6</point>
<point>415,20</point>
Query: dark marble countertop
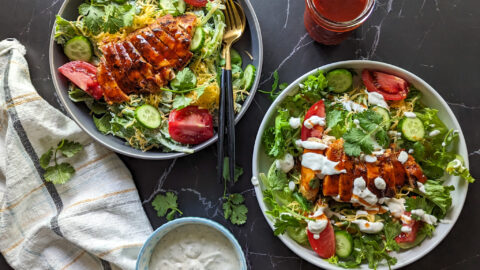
<point>438,40</point>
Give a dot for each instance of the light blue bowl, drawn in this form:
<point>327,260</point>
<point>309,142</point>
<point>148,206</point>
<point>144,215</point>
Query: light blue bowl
<point>143,259</point>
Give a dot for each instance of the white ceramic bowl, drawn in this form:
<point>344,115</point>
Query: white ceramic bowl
<point>261,162</point>
<point>143,259</point>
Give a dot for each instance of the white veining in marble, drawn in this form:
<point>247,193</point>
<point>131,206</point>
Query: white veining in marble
<point>300,44</point>
<point>468,107</point>
<point>287,14</point>
<point>160,182</point>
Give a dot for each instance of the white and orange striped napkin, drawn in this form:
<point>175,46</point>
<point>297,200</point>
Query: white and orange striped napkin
<point>94,221</point>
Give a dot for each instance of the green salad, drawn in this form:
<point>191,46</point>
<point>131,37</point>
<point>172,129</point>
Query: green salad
<point>168,76</point>
<point>358,167</point>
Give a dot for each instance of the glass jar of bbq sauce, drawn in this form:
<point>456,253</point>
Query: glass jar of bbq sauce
<point>331,21</point>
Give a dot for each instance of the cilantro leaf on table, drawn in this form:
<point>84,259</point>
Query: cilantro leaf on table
<point>69,148</point>
<point>274,93</point>
<point>166,203</point>
<point>234,209</point>
<point>59,173</point>
<point>226,171</point>
<point>45,158</point>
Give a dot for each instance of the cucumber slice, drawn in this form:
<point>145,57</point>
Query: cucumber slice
<point>198,39</point>
<point>148,116</point>
<point>181,6</point>
<point>339,80</point>
<point>412,129</point>
<point>384,113</point>
<point>249,76</point>
<point>78,48</point>
<point>419,239</point>
<point>236,58</point>
<point>174,8</point>
<point>343,244</point>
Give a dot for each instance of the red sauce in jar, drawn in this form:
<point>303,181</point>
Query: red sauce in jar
<point>331,21</point>
<point>340,10</point>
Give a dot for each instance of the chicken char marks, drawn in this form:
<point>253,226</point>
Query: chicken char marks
<point>146,59</point>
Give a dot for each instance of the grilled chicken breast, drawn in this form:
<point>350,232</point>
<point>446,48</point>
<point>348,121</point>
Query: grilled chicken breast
<point>387,167</point>
<point>146,59</point>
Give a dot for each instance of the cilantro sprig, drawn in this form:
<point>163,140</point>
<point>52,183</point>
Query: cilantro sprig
<point>106,16</point>
<point>59,173</point>
<point>364,137</point>
<point>275,86</point>
<point>166,203</point>
<point>234,208</point>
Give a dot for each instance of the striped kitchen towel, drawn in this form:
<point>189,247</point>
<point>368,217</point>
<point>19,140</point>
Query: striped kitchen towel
<point>94,221</point>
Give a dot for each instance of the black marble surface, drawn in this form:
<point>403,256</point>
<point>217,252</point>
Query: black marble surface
<point>438,40</point>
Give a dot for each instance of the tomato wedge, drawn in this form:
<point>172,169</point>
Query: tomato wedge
<point>197,3</point>
<point>190,125</point>
<point>324,246</point>
<point>83,75</point>
<point>317,109</point>
<point>412,235</point>
<point>390,86</point>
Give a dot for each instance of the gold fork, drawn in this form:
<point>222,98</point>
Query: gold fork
<point>235,20</point>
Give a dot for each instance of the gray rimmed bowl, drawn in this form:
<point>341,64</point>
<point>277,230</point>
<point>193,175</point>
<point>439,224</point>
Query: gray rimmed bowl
<point>250,42</point>
<point>143,260</point>
<point>261,162</point>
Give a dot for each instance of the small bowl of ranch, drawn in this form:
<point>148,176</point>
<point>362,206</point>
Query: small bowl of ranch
<point>191,243</point>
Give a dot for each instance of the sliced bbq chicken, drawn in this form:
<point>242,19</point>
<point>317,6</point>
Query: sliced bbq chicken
<point>146,59</point>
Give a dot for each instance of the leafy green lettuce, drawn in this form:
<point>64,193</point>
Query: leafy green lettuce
<point>439,195</point>
<point>280,139</point>
<point>65,30</point>
<point>120,121</point>
<point>366,247</point>
<point>314,86</point>
<point>106,16</point>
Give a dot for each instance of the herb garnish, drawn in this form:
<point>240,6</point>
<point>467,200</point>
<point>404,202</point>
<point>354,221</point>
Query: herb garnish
<point>60,173</point>
<point>164,203</point>
<point>234,208</point>
<point>274,93</point>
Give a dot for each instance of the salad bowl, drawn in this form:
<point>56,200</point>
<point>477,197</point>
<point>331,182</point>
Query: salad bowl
<point>249,45</point>
<point>261,162</point>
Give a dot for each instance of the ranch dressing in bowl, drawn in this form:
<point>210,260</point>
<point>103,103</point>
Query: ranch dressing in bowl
<point>194,247</point>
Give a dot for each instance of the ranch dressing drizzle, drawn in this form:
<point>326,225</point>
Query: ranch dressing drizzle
<point>319,162</point>
<point>194,247</point>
